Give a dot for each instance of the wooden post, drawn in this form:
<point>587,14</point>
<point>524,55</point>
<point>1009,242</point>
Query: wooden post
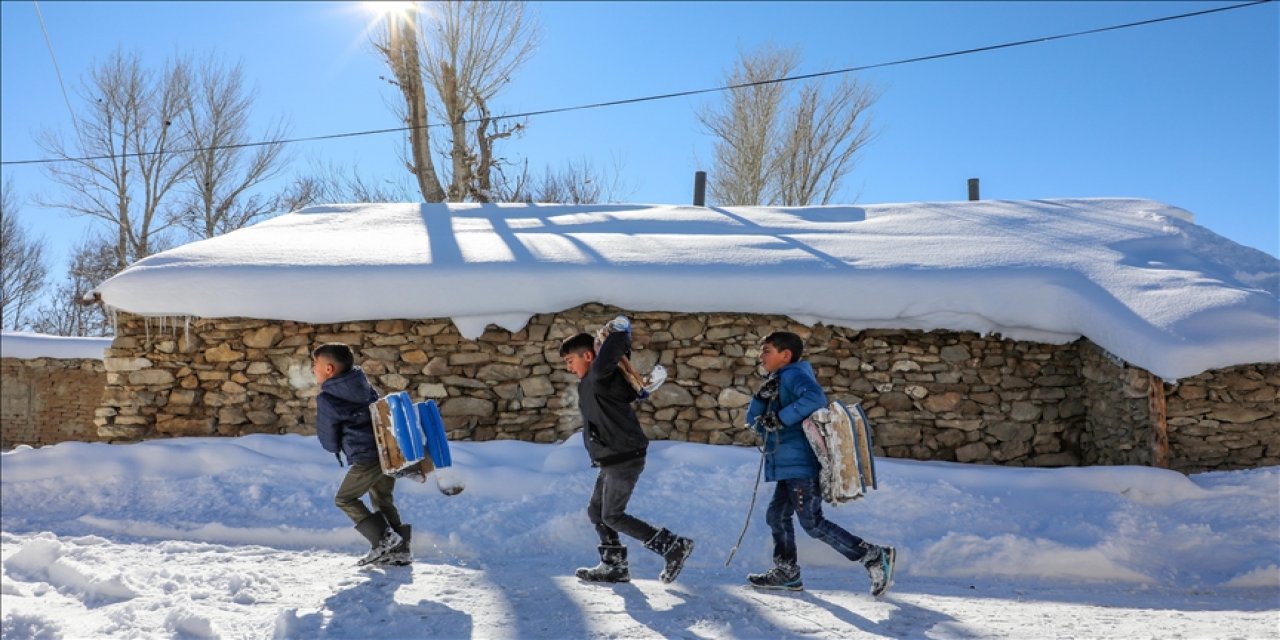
<point>1159,422</point>
<point>700,188</point>
<point>973,188</point>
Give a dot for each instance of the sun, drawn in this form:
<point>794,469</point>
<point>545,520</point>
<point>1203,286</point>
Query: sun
<point>391,10</point>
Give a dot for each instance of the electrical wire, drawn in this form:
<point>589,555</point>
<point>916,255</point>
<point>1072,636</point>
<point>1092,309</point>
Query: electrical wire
<point>664,96</point>
<point>57,71</point>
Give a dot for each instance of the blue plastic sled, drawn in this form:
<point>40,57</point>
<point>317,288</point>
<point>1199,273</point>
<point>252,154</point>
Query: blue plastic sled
<point>411,439</point>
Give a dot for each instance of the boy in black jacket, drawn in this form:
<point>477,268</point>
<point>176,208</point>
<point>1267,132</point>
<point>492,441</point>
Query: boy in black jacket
<point>617,446</point>
<point>345,427</point>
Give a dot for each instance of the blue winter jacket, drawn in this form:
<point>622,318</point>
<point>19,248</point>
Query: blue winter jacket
<point>788,455</point>
<point>343,422</point>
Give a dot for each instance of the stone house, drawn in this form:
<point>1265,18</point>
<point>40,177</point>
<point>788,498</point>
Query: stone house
<point>1042,333</point>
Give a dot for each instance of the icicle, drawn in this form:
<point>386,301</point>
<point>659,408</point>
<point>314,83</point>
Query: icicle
<point>186,330</point>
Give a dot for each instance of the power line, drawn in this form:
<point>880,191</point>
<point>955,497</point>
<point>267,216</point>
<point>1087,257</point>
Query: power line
<point>665,96</point>
<point>75,124</point>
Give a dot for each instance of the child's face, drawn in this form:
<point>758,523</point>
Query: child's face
<point>772,359</point>
<point>579,364</point>
<point>322,369</point>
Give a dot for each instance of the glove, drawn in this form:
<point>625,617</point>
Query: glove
<point>769,390</point>
<point>769,421</point>
<point>620,323</point>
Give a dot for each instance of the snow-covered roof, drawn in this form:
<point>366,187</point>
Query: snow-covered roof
<point>1137,277</point>
<point>29,346</point>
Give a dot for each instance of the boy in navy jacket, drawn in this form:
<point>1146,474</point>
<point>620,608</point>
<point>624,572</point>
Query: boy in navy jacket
<point>345,427</point>
<point>777,411</point>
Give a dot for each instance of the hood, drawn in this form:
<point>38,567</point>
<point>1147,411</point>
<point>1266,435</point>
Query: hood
<point>351,386</point>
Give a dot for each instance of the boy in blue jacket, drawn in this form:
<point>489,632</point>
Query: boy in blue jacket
<point>345,427</point>
<point>777,411</point>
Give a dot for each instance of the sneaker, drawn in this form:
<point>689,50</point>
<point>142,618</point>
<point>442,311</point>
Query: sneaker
<point>879,563</point>
<point>785,577</point>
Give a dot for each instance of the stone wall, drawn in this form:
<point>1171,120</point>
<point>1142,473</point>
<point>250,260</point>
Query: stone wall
<point>932,396</point>
<point>48,400</point>
<point>1223,419</point>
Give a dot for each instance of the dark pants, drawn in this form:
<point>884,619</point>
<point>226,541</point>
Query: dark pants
<point>608,507</point>
<point>367,478</point>
<point>803,498</point>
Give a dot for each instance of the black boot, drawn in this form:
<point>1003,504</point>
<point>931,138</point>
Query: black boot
<point>400,554</point>
<point>382,538</point>
<point>612,568</point>
<point>674,549</point>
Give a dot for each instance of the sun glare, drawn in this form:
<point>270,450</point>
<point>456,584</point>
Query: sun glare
<point>388,9</point>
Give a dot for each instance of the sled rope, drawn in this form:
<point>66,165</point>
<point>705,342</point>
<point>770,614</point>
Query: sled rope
<point>755,491</point>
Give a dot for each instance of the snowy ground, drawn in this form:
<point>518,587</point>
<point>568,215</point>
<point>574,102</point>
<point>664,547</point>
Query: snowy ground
<point>239,538</point>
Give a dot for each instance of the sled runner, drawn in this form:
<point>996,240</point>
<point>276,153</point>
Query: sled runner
<point>841,439</point>
<point>411,441</point>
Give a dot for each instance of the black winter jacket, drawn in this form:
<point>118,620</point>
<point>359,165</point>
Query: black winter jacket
<point>610,430</point>
<point>343,422</point>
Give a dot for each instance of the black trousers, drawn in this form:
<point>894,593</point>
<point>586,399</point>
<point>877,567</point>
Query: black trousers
<point>607,509</point>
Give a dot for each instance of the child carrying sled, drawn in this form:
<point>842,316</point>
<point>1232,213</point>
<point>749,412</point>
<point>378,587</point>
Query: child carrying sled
<point>777,411</point>
<point>617,446</point>
<point>345,427</point>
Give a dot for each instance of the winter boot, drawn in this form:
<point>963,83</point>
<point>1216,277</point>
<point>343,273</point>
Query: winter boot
<point>784,575</point>
<point>400,555</point>
<point>674,549</point>
<point>879,563</point>
<point>382,538</point>
<point>612,568</point>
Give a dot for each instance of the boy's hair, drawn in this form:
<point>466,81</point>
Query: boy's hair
<point>580,343</point>
<point>786,341</point>
<point>337,353</point>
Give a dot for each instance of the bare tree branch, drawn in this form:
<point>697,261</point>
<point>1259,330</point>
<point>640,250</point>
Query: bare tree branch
<point>126,110</point>
<point>22,265</point>
<point>217,196</point>
<point>785,144</point>
<point>465,52</point>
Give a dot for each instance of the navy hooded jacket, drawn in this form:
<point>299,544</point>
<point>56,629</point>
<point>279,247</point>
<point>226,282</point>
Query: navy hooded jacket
<point>343,422</point>
<point>788,455</point>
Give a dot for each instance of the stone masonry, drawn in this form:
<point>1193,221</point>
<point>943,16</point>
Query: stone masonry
<point>931,396</point>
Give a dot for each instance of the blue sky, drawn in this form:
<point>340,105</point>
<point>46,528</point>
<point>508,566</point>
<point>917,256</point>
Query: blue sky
<point>1185,112</point>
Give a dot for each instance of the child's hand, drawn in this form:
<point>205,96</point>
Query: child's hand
<point>769,421</point>
<point>620,323</point>
<point>769,390</point>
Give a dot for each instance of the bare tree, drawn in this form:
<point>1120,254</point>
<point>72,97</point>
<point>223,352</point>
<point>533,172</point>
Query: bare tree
<point>219,195</point>
<point>572,183</point>
<point>784,143</point>
<point>746,128</point>
<point>398,43</point>
<point>129,155</point>
<point>824,132</point>
<point>334,184</point>
<point>468,52</point>
<point>22,264</point>
<point>66,312</point>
